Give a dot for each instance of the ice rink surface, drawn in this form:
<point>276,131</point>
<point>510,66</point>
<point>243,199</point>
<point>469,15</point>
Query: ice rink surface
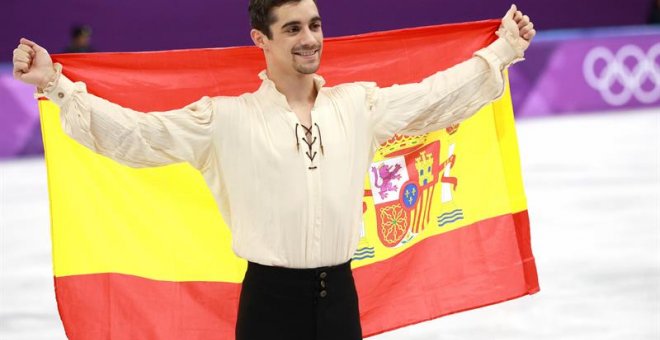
<point>593,190</point>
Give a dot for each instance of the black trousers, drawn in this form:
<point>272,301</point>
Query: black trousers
<point>298,304</point>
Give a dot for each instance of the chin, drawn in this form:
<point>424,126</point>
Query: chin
<point>307,69</point>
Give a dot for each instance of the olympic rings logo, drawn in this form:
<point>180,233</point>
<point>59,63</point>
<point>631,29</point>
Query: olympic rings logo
<point>646,70</point>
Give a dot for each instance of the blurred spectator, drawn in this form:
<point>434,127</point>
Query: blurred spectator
<point>655,13</point>
<point>81,37</point>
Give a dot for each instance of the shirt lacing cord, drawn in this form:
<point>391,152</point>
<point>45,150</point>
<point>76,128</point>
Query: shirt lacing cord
<point>310,153</point>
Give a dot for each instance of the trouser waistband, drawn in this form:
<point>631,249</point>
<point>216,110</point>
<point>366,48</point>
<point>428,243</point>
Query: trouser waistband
<point>318,282</point>
<point>283,273</point>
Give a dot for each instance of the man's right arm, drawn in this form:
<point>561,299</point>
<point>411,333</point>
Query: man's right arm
<point>127,136</point>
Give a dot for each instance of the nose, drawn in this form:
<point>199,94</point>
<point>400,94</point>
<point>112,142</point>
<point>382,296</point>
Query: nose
<point>307,38</point>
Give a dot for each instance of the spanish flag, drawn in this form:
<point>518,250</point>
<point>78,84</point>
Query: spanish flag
<point>145,254</point>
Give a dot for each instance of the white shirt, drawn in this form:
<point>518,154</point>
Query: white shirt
<point>290,200</point>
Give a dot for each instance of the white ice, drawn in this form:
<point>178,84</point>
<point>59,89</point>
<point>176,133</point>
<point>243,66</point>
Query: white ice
<point>593,189</point>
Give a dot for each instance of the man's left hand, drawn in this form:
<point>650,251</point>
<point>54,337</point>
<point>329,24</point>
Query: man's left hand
<point>517,25</point>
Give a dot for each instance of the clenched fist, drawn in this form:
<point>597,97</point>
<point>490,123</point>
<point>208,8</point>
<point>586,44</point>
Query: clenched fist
<point>32,64</point>
<point>518,26</point>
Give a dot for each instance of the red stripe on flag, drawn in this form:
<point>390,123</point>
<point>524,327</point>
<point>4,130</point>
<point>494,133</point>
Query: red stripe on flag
<point>149,81</point>
<point>117,306</point>
<point>466,268</point>
<point>525,246</point>
<point>469,267</point>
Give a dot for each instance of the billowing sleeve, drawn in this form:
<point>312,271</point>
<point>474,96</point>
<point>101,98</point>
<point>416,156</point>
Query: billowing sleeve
<point>444,98</point>
<point>130,137</point>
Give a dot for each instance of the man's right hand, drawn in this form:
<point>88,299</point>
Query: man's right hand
<point>32,64</point>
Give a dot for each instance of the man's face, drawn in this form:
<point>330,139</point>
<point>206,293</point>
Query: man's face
<point>297,38</point>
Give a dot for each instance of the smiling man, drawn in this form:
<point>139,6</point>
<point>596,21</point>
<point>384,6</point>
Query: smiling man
<point>290,34</point>
<point>299,243</point>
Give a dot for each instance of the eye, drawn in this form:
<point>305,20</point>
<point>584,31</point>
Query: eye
<point>315,26</point>
<point>293,29</point>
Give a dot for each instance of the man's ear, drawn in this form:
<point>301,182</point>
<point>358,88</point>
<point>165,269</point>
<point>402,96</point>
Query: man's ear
<point>258,38</point>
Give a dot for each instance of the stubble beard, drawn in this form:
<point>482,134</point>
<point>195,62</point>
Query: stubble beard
<point>309,68</point>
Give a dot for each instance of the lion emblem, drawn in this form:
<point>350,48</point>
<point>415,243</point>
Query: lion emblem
<point>387,174</point>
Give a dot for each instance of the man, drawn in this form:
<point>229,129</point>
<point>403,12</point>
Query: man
<point>81,36</point>
<point>294,148</point>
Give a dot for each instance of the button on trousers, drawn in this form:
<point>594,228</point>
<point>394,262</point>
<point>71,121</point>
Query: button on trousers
<point>298,304</point>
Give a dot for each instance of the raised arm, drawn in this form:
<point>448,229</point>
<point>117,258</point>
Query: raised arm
<point>452,95</point>
<point>127,136</point>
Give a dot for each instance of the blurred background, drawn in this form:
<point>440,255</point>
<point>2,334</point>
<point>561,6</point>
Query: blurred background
<point>587,101</point>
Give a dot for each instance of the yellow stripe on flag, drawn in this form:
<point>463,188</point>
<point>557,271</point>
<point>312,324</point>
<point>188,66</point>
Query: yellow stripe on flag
<point>163,224</point>
<point>183,237</point>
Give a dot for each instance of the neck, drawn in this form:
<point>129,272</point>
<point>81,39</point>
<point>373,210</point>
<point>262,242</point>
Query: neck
<point>297,88</point>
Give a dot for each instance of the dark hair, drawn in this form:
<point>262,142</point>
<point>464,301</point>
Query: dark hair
<point>80,30</point>
<point>261,14</point>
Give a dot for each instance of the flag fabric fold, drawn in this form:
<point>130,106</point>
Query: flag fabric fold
<point>145,254</point>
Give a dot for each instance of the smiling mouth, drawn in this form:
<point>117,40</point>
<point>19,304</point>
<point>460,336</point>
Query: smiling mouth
<point>306,53</point>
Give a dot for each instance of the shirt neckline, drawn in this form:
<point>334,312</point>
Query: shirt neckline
<point>268,85</point>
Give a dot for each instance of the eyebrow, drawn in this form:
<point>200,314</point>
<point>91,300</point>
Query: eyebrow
<point>298,22</point>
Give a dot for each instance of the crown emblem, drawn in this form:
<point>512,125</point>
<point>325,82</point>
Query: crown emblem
<point>401,145</point>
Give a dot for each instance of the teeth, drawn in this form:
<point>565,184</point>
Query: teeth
<point>307,53</point>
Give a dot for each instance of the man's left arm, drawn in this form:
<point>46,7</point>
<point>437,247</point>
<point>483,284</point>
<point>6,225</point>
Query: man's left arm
<point>455,94</point>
